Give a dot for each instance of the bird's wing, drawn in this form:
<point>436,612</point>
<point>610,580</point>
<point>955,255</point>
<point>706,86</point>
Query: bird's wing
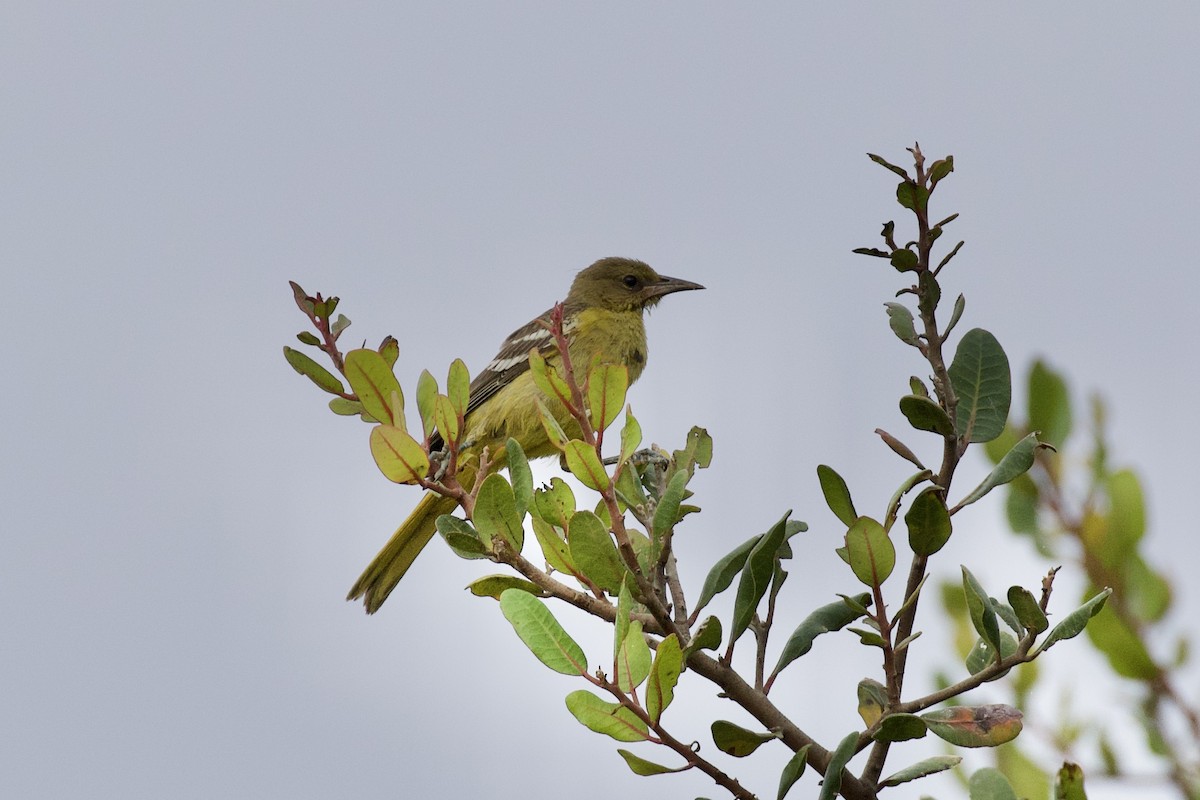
<point>511,361</point>
<point>508,364</point>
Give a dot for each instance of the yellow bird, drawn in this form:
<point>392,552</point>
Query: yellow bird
<point>602,316</point>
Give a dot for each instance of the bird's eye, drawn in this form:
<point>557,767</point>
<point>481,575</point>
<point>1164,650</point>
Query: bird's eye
<point>630,281</point>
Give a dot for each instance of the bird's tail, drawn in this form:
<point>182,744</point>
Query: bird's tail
<point>378,580</point>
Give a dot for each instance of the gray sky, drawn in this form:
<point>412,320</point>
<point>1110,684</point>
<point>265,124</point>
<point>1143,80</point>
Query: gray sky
<point>183,516</point>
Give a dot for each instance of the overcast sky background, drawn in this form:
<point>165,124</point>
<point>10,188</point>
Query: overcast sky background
<point>183,516</point>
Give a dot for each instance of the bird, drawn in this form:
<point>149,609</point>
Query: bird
<point>603,315</point>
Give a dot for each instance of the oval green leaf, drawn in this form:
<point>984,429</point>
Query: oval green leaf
<point>736,740</point>
<point>585,465</point>
<point>872,555</point>
<point>928,522</point>
<point>607,384</point>
<point>607,718</point>
<point>310,369</point>
<point>399,457</point>
<point>926,415</point>
<point>542,634</point>
<point>837,494</point>
<point>376,387</point>
<point>594,552</point>
<point>983,383</point>
<point>664,675</point>
<point>495,514</point>
<point>641,766</point>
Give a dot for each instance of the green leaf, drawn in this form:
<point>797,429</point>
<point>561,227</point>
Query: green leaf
<point>928,522</point>
<point>307,337</point>
<point>901,321</point>
<point>303,301</point>
<point>495,514</point>
<point>389,348</point>
<point>904,260</point>
<point>624,612</point>
<point>445,418</point>
<point>610,719</point>
<point>872,700</point>
<point>837,494</point>
<point>697,452</point>
<point>631,435</point>
<point>982,381</point>
<point>872,555</point>
<point>427,390</point>
<point>1126,516</point>
<point>831,617</point>
<point>901,728</point>
<point>462,538</point>
<point>1049,404</point>
<point>547,378</point>
<point>1021,506</point>
<point>871,251</point>
<point>837,762</point>
<point>555,504</point>
<point>542,634</point>
<point>399,457</point>
<point>928,766</point>
<point>376,387</point>
<point>310,369</point>
<point>628,486</point>
<point>1069,783</point>
<point>641,766</point>
<point>667,512</point>
<point>990,784</point>
<point>495,585</point>
<point>345,408</point>
<point>1014,464</point>
<point>1026,777</point>
<point>1027,609</point>
<point>664,675</point>
<point>869,638</point>
<point>959,305</point>
<point>912,196</point>
<point>940,169</point>
<point>522,477</point>
<point>607,384</point>
<point>756,577</point>
<point>458,387</point>
<point>1148,594</point>
<point>1008,616</point>
<point>554,431</point>
<point>707,636</point>
<point>585,465</point>
<point>879,160</point>
<point>594,552</point>
<point>983,655</point>
<point>975,726</point>
<point>792,771</point>
<point>554,546</point>
<point>736,740</point>
<point>721,576</point>
<point>930,293</point>
<point>632,664</point>
<point>893,506</point>
<point>979,606</point>
<point>926,415</point>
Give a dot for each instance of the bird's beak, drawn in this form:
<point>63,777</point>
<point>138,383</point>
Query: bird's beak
<point>666,286</point>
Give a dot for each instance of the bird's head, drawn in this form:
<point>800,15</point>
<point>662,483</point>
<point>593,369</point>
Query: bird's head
<point>623,284</point>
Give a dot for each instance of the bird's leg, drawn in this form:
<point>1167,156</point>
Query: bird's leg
<point>646,456</point>
<point>439,460</point>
